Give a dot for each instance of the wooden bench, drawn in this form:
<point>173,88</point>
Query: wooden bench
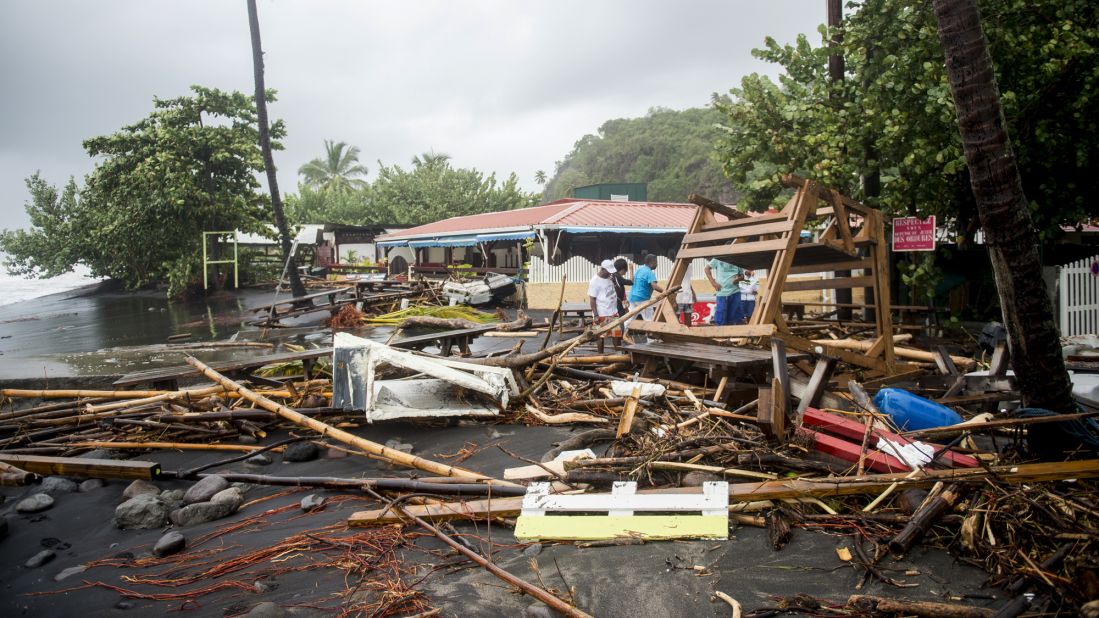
<point>167,378</point>
<point>445,340</point>
<point>722,361</point>
<point>576,310</point>
<point>300,305</point>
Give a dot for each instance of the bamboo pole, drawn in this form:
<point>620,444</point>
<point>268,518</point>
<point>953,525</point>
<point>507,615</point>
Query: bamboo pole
<point>15,393</point>
<point>182,446</point>
<point>594,360</point>
<point>173,396</point>
<point>392,455</point>
<point>909,353</point>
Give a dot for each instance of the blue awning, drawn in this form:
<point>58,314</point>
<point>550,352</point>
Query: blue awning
<point>457,241</point>
<point>506,236</point>
<point>392,243</point>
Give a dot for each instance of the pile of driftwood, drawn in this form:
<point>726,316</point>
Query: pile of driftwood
<point>1032,524</point>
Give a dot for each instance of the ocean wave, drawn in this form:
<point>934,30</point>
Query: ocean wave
<point>17,289</point>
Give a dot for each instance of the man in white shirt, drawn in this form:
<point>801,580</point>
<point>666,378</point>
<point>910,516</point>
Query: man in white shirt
<point>749,288</point>
<point>604,301</point>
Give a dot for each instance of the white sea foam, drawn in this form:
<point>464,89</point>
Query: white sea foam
<point>16,289</point>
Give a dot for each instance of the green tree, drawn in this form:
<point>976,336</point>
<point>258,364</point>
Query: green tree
<point>672,151</point>
<point>346,207</point>
<point>896,105</point>
<point>433,190</point>
<point>189,167</point>
<point>540,177</point>
<point>338,170</point>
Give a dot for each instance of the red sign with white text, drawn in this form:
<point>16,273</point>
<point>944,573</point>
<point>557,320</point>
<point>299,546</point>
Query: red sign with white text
<point>913,234</point>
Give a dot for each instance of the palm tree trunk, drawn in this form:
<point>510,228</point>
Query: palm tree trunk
<point>1008,231</point>
<point>296,287</point>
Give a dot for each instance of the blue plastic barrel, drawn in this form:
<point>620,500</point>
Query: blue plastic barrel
<point>911,412</point>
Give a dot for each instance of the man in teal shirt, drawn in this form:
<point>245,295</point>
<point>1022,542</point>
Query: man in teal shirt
<point>644,282</point>
<point>725,278</point>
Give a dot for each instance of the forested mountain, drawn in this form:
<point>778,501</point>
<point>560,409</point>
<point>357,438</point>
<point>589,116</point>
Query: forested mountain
<point>673,151</point>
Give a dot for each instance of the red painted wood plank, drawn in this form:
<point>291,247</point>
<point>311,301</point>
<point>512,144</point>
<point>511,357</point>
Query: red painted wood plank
<point>849,451</point>
<point>853,430</point>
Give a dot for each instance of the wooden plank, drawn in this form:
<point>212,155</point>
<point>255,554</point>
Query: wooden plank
<point>731,251</point>
<point>744,231</point>
<point>624,498</point>
<point>756,220</point>
<point>827,284</point>
<point>703,332</point>
<point>852,430</point>
<point>1001,359</point>
<point>714,206</point>
<point>862,264</point>
<point>822,373</point>
<point>179,371</point>
<point>429,338</point>
<point>772,490</point>
<point>850,452</point>
<point>771,297</point>
<point>84,466</point>
<point>843,220</point>
<point>780,385</point>
<point>854,358</point>
<point>608,527</point>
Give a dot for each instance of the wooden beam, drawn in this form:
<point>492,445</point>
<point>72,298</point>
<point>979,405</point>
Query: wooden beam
<point>703,332</point>
<point>822,373</point>
<point>84,467</point>
<point>718,207</point>
<point>805,345</point>
<point>743,231</point>
<point>863,264</point>
<point>765,218</point>
<point>780,384</point>
<point>762,246</point>
<point>827,284</point>
<point>770,490</point>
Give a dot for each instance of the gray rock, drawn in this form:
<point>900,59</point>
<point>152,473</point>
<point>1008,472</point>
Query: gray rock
<point>267,609</point>
<point>539,610</point>
<point>172,495</point>
<point>532,550</point>
<point>301,451</point>
<point>142,512</point>
<point>69,572</point>
<point>140,487</point>
<point>34,504</point>
<point>258,460</point>
<point>696,478</point>
<point>169,544</point>
<point>232,497</point>
<point>39,559</point>
<point>105,453</point>
<point>124,605</point>
<point>56,485</point>
<point>243,487</point>
<point>91,485</point>
<point>205,489</point>
<point>222,504</point>
<point>246,439</point>
<point>397,445</point>
<point>265,585</point>
<point>312,502</point>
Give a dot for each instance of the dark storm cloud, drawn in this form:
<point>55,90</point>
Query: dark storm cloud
<point>501,85</point>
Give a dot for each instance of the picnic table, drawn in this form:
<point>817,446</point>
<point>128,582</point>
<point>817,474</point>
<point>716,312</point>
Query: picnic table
<point>576,310</point>
<point>445,340</point>
<point>300,305</point>
<point>721,361</point>
<point>167,378</point>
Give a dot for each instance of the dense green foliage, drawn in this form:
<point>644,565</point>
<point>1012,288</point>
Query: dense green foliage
<point>189,167</point>
<point>895,98</point>
<point>672,151</point>
<point>432,189</point>
<point>338,170</point>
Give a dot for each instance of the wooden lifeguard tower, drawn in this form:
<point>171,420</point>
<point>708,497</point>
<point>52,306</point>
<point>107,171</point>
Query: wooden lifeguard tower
<point>852,239</point>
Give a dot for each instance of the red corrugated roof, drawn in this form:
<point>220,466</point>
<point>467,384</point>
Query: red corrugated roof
<point>564,212</point>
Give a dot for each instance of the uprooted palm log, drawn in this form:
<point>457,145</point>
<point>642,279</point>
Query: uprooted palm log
<point>522,322</point>
<point>395,456</point>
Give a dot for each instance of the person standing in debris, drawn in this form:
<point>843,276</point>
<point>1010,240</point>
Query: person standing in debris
<point>604,301</point>
<point>725,278</point>
<point>686,299</point>
<point>749,288</point>
<point>620,283</point>
<point>644,282</point>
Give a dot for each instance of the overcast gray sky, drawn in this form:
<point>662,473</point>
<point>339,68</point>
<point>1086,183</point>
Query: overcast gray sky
<point>500,85</point>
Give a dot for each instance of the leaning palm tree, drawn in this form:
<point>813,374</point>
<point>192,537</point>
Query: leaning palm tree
<point>540,177</point>
<point>1005,217</point>
<point>337,170</point>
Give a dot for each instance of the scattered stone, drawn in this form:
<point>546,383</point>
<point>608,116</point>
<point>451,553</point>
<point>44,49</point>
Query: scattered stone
<point>539,610</point>
<point>246,439</point>
<point>105,453</point>
<point>397,445</point>
<point>142,512</point>
<point>243,487</point>
<point>267,609</point>
<point>169,544</point>
<point>335,453</point>
<point>312,502</point>
<point>265,585</point>
<point>56,485</point>
<point>532,550</point>
<point>301,451</point>
<point>91,485</point>
<point>222,504</point>
<point>258,460</point>
<point>69,572</point>
<point>34,504</point>
<point>205,489</point>
<point>39,559</point>
<point>124,605</point>
<point>140,487</point>
<point>696,478</point>
<point>172,495</point>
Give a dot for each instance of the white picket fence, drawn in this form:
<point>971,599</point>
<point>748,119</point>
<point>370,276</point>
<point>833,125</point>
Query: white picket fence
<point>1079,298</point>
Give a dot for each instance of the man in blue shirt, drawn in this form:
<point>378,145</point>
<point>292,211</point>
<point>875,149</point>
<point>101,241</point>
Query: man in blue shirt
<point>644,282</point>
<point>725,278</point>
